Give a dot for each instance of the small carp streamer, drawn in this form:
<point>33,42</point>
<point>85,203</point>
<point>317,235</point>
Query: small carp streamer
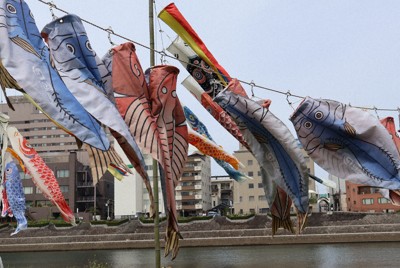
<point>208,147</point>
<point>200,128</point>
<point>15,195</point>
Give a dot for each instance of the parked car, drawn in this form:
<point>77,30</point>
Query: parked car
<point>213,213</point>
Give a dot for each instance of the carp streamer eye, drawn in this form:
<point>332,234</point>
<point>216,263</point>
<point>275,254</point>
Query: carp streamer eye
<point>11,9</point>
<point>319,115</point>
<point>164,90</point>
<point>8,170</point>
<point>89,46</point>
<point>173,94</point>
<point>71,48</point>
<point>308,125</point>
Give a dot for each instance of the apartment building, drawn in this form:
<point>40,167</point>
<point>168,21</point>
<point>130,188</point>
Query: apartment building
<point>69,164</point>
<point>249,196</point>
<point>131,195</point>
<point>193,193</point>
<point>222,193</point>
<point>363,198</point>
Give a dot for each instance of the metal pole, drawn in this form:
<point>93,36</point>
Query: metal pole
<point>155,165</point>
<point>94,204</point>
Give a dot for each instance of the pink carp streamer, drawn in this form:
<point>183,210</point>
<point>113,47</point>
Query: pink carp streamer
<point>42,176</point>
<point>155,117</point>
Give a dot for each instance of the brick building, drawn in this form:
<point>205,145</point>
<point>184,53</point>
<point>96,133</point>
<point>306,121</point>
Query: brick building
<point>362,198</point>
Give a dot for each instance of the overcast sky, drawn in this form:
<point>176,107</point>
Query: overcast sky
<point>343,50</point>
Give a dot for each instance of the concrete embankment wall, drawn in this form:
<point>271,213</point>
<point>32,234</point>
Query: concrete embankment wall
<point>215,232</point>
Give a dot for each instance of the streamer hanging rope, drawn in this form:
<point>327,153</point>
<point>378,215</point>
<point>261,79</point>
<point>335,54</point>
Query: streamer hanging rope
<point>163,55</point>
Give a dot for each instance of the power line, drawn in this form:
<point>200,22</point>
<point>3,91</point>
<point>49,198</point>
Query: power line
<point>162,53</point>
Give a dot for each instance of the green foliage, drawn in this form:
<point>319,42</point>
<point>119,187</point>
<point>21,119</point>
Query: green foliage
<point>109,223</point>
<point>4,225</point>
<point>98,222</point>
<point>150,220</point>
<point>39,223</point>
<point>61,223</point>
<point>240,217</point>
<point>195,218</point>
<point>313,200</point>
<point>116,223</point>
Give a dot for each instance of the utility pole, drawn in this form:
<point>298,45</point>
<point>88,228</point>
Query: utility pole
<point>155,164</point>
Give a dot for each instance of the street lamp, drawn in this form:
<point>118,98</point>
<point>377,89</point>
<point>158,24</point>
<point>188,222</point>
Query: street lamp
<point>108,209</point>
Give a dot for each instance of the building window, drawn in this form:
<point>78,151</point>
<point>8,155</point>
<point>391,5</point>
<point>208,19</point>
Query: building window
<point>368,201</point>
<point>260,185</point>
<point>64,188</point>
<point>43,203</point>
<point>259,173</point>
<point>241,211</point>
<point>382,200</point>
<point>252,211</point>
<point>251,198</point>
<point>38,191</point>
<point>261,198</point>
<point>251,185</point>
<point>354,202</point>
<point>263,210</point>
<point>28,190</point>
<point>240,198</point>
<point>63,173</point>
<point>250,173</point>
<point>249,162</point>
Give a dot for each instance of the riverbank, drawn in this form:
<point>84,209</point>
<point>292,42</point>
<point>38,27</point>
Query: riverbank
<point>340,227</point>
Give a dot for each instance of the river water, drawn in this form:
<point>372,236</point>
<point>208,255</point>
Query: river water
<point>324,255</point>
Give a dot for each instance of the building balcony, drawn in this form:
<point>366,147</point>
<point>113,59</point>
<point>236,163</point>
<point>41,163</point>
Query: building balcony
<point>188,188</point>
<point>188,178</point>
<point>84,184</point>
<point>85,199</point>
<point>188,207</point>
<point>188,197</point>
